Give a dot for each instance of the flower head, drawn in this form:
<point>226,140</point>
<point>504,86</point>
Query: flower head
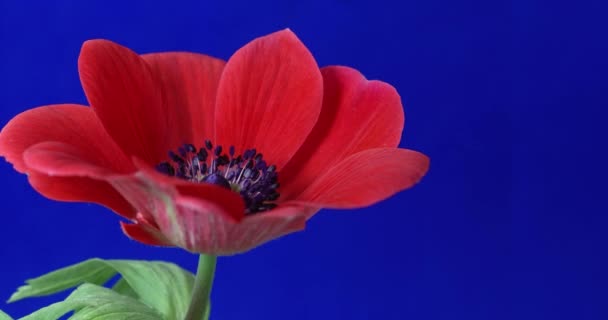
<point>212,156</point>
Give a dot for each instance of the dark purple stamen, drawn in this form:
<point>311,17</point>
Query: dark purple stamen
<point>217,179</point>
<point>249,175</point>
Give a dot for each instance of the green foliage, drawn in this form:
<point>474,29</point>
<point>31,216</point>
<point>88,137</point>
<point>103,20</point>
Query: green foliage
<point>4,316</point>
<point>146,290</point>
<point>95,302</point>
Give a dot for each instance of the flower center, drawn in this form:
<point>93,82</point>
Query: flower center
<point>247,174</point>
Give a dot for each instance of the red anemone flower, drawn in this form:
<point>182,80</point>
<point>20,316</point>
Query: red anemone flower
<point>211,156</point>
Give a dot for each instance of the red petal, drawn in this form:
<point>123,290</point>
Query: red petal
<point>201,217</point>
<point>61,159</point>
<point>224,237</point>
<point>72,125</point>
<point>189,83</point>
<point>148,175</point>
<point>77,189</point>
<point>269,97</point>
<point>144,234</point>
<point>366,178</point>
<point>260,228</point>
<point>357,115</point>
<point>157,201</point>
<point>127,99</point>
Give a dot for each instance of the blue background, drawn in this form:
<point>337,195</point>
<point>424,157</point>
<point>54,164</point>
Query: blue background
<point>508,98</point>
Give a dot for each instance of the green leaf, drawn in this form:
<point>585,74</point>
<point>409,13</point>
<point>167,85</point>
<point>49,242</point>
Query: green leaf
<point>4,316</point>
<point>53,311</point>
<point>91,271</point>
<point>163,286</point>
<point>92,302</point>
<point>121,286</point>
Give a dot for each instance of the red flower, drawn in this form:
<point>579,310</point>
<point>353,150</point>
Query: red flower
<point>328,135</point>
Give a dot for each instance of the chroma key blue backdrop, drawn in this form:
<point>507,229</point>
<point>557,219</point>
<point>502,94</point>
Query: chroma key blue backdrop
<point>506,225</point>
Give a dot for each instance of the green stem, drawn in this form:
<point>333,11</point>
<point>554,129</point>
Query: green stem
<point>199,304</point>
